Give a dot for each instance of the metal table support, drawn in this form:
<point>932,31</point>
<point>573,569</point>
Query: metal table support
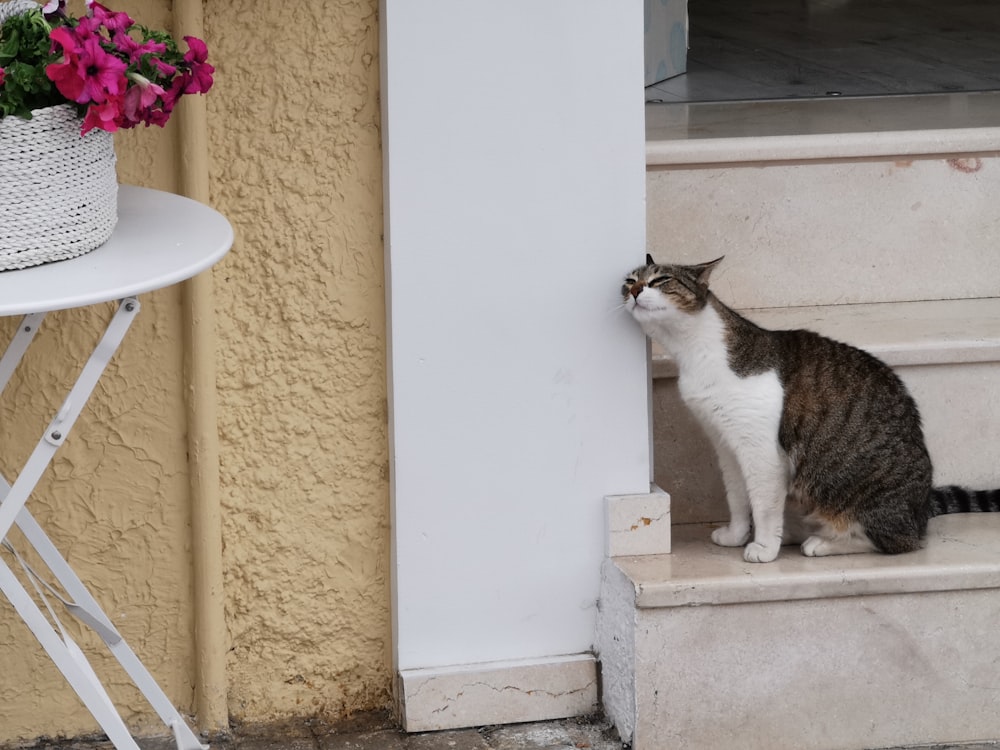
<point>151,248</point>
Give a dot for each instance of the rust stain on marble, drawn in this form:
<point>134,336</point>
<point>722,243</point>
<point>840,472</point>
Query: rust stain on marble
<point>966,166</point>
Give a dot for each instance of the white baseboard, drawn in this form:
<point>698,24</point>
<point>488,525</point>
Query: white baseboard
<point>497,692</point>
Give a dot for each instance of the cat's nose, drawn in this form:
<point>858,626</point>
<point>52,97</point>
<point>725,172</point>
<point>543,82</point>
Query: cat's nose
<point>635,290</point>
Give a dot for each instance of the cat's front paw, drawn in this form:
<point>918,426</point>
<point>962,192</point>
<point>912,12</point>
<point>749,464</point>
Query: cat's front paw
<point>756,552</point>
<point>727,536</point>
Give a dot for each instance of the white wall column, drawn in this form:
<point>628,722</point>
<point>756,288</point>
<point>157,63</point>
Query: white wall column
<point>513,142</point>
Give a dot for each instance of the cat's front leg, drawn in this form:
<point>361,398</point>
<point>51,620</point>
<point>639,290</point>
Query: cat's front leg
<point>731,535</point>
<point>766,476</point>
<point>737,532</point>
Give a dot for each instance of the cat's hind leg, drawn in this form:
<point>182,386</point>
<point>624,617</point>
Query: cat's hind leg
<point>832,538</point>
<point>797,528</point>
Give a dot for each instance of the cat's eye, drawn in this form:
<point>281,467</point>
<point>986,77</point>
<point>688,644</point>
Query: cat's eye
<point>659,280</point>
<point>630,281</point>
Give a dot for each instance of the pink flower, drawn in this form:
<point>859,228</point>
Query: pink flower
<point>200,80</point>
<point>86,26</point>
<point>197,51</point>
<point>171,95</point>
<point>139,100</point>
<point>3,75</point>
<point>85,73</point>
<point>103,116</point>
<point>164,69</point>
<point>65,73</point>
<point>157,117</point>
<point>125,44</point>
<point>111,20</point>
<point>65,39</point>
<point>103,74</point>
<point>127,74</point>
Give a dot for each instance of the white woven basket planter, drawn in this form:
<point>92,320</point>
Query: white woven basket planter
<point>58,190</point>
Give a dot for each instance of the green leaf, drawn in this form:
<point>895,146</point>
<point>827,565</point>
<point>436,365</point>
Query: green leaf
<point>24,53</point>
<point>9,44</point>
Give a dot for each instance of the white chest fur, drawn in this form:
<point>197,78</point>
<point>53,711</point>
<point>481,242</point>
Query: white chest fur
<point>736,409</point>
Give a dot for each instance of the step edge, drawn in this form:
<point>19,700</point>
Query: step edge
<point>747,132</point>
<point>822,146</point>
<point>960,554</point>
<point>968,577</point>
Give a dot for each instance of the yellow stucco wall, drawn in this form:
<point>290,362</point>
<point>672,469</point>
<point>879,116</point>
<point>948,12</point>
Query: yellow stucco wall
<point>295,166</point>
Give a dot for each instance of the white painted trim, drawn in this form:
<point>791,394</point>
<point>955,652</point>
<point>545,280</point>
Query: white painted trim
<point>497,692</point>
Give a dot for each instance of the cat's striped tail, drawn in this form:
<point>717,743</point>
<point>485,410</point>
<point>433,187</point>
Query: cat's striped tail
<point>953,499</point>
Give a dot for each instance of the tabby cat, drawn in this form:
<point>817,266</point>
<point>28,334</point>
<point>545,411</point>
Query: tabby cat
<point>819,443</point>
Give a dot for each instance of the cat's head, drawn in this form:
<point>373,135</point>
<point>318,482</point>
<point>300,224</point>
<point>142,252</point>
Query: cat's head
<point>659,291</point>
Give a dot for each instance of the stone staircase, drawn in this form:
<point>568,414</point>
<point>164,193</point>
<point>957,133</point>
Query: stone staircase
<point>875,222</point>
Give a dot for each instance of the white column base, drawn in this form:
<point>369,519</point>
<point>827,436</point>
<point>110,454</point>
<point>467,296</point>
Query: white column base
<point>497,692</point>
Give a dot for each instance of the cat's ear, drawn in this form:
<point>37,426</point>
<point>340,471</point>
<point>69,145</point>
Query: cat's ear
<point>649,260</point>
<point>704,270</point>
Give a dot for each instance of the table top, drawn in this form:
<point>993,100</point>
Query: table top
<point>160,239</point>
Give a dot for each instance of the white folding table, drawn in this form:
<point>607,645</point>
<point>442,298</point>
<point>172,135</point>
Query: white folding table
<point>160,239</point>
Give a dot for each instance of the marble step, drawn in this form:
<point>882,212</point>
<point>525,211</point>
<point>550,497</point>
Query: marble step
<point>700,649</point>
<point>794,130</point>
<point>947,351</point>
<point>814,202</point>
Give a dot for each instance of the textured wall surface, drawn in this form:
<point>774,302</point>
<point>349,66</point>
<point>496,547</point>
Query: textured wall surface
<point>296,168</point>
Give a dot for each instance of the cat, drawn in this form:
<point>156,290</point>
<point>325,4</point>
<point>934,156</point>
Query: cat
<point>819,443</point>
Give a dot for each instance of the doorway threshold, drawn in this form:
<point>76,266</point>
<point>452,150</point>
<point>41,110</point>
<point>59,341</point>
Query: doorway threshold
<point>828,128</point>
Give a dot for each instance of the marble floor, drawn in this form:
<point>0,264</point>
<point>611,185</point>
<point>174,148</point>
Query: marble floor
<point>777,49</point>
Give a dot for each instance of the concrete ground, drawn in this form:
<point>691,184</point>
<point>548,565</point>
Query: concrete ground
<point>588,733</point>
<point>568,734</point>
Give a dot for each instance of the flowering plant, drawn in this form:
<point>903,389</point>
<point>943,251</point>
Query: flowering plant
<point>115,72</point>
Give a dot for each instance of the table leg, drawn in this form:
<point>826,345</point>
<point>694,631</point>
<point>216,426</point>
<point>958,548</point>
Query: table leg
<point>80,678</point>
<point>62,423</point>
<point>65,654</point>
<point>18,346</point>
<point>85,607</point>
